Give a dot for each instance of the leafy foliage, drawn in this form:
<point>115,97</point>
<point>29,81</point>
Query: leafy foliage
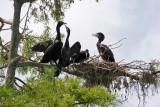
<point>48,91</point>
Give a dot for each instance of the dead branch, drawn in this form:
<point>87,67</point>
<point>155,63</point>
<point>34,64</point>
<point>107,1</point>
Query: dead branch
<point>27,1</point>
<point>26,19</point>
<point>97,72</point>
<point>16,78</point>
<point>5,66</point>
<point>1,26</point>
<point>32,64</point>
<point>5,21</point>
<point>117,42</point>
<point>18,85</point>
<point>3,46</point>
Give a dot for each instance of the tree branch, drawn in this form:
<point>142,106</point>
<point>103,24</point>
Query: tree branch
<point>1,26</point>
<point>26,20</point>
<point>32,64</point>
<point>3,45</point>
<point>16,78</point>
<point>5,21</point>
<point>26,1</point>
<point>3,67</point>
<point>155,72</point>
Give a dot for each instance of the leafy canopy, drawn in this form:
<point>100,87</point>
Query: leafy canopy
<point>48,91</point>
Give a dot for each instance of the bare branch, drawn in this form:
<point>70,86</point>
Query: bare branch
<point>26,1</point>
<point>6,29</point>
<point>26,19</point>
<point>1,26</point>
<point>1,44</point>
<point>5,21</point>
<point>18,85</point>
<point>5,66</point>
<point>156,72</point>
<point>117,42</point>
<point>32,64</point>
<point>16,78</point>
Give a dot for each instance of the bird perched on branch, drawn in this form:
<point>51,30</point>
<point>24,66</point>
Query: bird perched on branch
<point>80,57</point>
<point>42,46</point>
<point>53,52</point>
<point>104,50</point>
<point>65,52</point>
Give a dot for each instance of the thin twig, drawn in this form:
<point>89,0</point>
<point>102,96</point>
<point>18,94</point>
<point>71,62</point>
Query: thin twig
<point>6,29</point>
<point>16,78</point>
<point>117,42</point>
<point>3,67</point>
<point>26,20</point>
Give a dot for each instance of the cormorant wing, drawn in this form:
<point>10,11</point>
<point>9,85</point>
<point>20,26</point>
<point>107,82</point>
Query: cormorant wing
<point>42,46</point>
<point>104,48</point>
<point>107,52</point>
<point>52,52</point>
<point>75,49</point>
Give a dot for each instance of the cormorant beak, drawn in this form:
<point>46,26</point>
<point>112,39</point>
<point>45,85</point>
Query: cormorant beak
<point>64,23</point>
<point>95,34</point>
<point>66,28</point>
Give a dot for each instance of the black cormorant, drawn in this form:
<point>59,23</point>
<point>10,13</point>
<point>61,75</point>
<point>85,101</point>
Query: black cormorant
<point>53,52</point>
<point>42,46</point>
<point>65,52</point>
<point>75,49</point>
<point>80,57</point>
<point>104,50</point>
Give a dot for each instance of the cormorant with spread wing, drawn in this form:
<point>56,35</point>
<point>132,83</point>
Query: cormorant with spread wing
<point>42,46</point>
<point>65,52</point>
<point>104,50</point>
<point>53,52</point>
<point>80,57</point>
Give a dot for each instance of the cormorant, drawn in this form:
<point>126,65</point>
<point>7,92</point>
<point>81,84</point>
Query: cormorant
<point>104,51</point>
<point>42,46</point>
<point>75,49</point>
<point>53,52</point>
<point>82,56</point>
<point>65,52</point>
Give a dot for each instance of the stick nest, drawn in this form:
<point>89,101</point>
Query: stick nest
<point>117,75</point>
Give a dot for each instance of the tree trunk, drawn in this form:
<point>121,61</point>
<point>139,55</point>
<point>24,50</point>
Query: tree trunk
<point>15,39</point>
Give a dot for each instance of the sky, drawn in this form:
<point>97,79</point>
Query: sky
<point>136,20</point>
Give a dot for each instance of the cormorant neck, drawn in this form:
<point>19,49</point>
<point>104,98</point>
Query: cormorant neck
<point>99,41</point>
<point>68,34</point>
<point>58,37</point>
<point>67,40</point>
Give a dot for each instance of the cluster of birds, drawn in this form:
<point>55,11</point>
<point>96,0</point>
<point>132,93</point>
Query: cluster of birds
<point>55,50</point>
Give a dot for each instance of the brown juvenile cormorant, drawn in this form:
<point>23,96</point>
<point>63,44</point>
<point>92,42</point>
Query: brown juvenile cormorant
<point>105,52</point>
<point>53,52</point>
<point>82,56</point>
<point>42,46</point>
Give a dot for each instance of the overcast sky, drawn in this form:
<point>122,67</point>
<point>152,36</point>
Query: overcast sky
<point>136,20</point>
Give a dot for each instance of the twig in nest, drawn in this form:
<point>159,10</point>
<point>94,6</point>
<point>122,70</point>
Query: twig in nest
<point>117,42</point>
